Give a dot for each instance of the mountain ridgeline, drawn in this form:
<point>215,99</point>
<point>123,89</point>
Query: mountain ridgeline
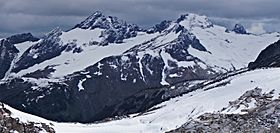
<point>105,67</point>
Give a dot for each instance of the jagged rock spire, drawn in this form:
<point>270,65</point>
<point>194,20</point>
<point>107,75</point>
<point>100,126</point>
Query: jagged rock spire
<point>115,29</point>
<point>99,20</point>
<point>238,28</point>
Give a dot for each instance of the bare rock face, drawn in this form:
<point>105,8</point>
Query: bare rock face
<point>239,29</point>
<point>19,38</point>
<point>7,53</point>
<point>269,57</point>
<point>9,124</point>
<point>48,48</point>
<point>263,118</point>
<point>116,30</point>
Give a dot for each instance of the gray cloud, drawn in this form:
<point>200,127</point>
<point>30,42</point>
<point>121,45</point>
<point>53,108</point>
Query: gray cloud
<point>40,16</point>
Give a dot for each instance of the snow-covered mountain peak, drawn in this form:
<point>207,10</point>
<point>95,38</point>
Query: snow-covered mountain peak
<point>191,20</point>
<point>91,20</point>
<point>115,29</point>
<point>99,20</point>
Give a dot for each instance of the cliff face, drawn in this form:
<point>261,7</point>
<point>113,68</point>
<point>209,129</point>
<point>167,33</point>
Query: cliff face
<point>269,57</point>
<point>9,124</point>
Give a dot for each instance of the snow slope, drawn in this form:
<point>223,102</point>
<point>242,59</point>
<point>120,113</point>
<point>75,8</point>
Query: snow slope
<point>230,50</point>
<point>69,62</point>
<point>22,47</point>
<point>177,111</point>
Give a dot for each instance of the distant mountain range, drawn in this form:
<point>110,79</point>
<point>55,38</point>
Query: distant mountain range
<point>105,67</point>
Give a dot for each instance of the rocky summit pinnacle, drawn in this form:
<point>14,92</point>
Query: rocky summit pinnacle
<point>115,29</point>
<point>92,20</point>
<point>238,28</point>
<point>99,20</point>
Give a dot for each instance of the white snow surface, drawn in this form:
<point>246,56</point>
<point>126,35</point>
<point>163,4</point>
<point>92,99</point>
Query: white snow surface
<point>194,20</point>
<point>230,50</point>
<point>81,35</point>
<point>22,47</point>
<point>177,111</point>
<point>80,85</point>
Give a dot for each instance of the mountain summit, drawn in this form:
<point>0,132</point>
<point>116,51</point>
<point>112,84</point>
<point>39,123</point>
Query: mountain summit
<point>191,20</point>
<point>115,29</point>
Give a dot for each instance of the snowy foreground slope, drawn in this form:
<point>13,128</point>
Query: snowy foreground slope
<point>177,111</point>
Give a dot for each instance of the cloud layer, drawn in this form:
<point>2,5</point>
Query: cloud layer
<point>40,16</point>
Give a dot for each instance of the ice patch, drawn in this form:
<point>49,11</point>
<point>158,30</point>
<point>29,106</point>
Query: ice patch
<point>140,56</point>
<point>80,85</point>
<point>98,73</point>
<point>174,75</point>
<point>125,58</point>
<point>35,56</point>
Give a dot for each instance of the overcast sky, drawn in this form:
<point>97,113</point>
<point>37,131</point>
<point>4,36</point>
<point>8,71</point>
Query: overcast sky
<point>40,16</point>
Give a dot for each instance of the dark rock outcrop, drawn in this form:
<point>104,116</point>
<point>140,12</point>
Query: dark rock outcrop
<point>115,29</point>
<point>19,38</point>
<point>239,29</point>
<point>269,57</point>
<point>104,88</point>
<point>159,27</point>
<point>7,53</point>
<point>9,124</point>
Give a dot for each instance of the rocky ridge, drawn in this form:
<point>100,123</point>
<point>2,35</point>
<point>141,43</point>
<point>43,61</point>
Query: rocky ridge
<point>9,124</point>
<point>260,114</point>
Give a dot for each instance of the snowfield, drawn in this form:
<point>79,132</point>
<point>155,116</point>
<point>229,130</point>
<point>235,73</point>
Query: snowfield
<point>69,62</point>
<point>177,111</point>
<point>230,50</point>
